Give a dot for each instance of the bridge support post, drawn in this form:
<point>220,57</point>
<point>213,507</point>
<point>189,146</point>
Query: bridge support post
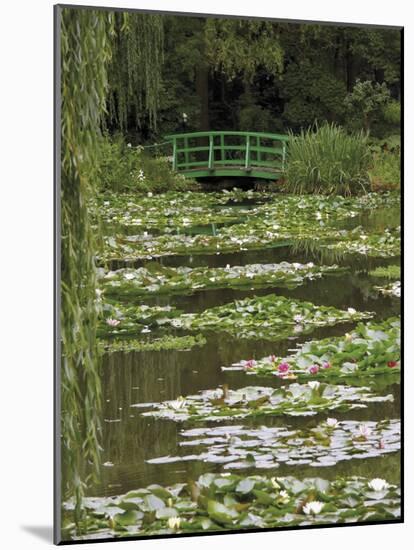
<point>211,153</point>
<point>174,154</point>
<point>247,161</point>
<point>186,157</point>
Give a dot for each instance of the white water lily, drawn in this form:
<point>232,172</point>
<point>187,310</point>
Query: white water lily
<point>129,276</point>
<point>364,430</point>
<point>177,404</point>
<point>332,422</point>
<point>283,497</point>
<point>112,322</point>
<point>314,507</point>
<point>314,384</point>
<point>174,522</point>
<point>351,310</point>
<point>310,264</point>
<point>377,484</point>
<point>149,194</point>
<point>298,318</point>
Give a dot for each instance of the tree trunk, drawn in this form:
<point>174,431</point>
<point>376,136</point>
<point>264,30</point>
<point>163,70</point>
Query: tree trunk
<point>201,85</point>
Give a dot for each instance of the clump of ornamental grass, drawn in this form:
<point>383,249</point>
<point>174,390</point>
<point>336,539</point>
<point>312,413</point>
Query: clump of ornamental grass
<point>326,160</point>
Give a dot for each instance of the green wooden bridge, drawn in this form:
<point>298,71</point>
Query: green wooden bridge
<point>209,154</point>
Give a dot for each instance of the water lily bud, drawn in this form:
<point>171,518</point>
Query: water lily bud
<point>314,369</point>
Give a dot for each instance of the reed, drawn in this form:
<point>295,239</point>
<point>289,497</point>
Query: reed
<point>326,160</point>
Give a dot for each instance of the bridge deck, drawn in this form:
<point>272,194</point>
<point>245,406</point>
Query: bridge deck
<point>246,154</point>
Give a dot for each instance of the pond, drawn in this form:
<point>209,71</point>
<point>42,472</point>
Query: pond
<point>140,449</point>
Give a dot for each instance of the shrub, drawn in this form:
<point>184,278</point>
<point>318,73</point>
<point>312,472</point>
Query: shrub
<point>384,174</point>
<point>327,160</point>
<point>123,168</point>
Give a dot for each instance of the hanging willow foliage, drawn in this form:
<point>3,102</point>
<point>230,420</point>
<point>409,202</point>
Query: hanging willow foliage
<point>96,48</point>
<point>236,46</point>
<point>135,70</point>
<point>85,53</point>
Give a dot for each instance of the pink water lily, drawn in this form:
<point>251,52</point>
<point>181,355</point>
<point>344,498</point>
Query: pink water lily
<point>326,365</point>
<point>249,364</point>
<point>314,369</point>
<point>283,367</point>
<point>272,358</point>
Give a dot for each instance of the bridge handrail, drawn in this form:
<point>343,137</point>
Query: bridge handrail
<point>265,135</point>
<point>255,152</point>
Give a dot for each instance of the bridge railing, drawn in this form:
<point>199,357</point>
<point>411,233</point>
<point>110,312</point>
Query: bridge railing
<point>210,151</point>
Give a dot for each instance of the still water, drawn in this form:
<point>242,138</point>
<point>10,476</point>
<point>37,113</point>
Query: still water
<point>129,439</point>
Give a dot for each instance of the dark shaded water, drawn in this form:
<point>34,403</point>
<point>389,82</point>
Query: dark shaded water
<point>129,439</point>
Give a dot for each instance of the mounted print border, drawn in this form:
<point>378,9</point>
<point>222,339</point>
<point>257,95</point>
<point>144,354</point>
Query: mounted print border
<point>228,272</point>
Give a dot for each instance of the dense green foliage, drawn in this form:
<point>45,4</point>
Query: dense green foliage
<point>135,69</point>
<point>385,171</point>
<point>327,160</point>
<point>123,168</point>
<point>274,76</point>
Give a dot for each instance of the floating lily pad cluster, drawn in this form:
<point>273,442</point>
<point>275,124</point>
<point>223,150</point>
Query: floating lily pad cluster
<point>223,502</point>
<point>329,442</point>
<point>174,209</point>
<point>370,349</point>
<point>283,219</point>
<point>381,245</point>
<point>387,272</point>
<point>251,401</point>
<point>255,234</point>
<point>267,317</point>
<point>157,279</point>
<point>120,320</point>
<point>392,289</point>
<point>167,342</point>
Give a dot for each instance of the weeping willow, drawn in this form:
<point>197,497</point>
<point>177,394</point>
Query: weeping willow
<point>85,53</point>
<point>135,70</point>
<point>93,43</point>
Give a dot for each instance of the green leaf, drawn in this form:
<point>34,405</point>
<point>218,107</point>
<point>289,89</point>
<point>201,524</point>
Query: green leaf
<point>245,485</point>
<point>220,513</point>
<point>153,503</point>
<point>130,517</point>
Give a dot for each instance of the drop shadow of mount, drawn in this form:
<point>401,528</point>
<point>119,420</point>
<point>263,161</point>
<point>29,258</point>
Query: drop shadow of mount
<point>43,532</point>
